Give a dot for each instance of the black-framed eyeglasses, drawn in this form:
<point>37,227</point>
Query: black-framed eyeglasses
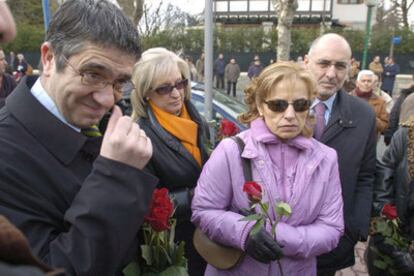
<point>299,105</point>
<point>339,65</point>
<point>90,78</point>
<point>168,88</point>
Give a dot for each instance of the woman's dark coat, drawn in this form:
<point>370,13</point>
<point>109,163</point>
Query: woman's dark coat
<point>178,171</point>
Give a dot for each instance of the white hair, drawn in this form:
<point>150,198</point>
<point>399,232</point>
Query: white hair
<point>365,73</point>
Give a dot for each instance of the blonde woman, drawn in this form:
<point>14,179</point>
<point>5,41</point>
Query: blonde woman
<point>161,105</point>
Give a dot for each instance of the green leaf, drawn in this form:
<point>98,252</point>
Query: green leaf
<point>265,207</point>
<point>381,226</point>
<point>380,264</point>
<point>132,269</point>
<point>147,254</point>
<point>283,209</point>
<point>180,259</point>
<point>174,271</point>
<point>256,228</point>
<point>252,217</point>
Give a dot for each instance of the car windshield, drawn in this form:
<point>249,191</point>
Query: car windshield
<point>231,103</point>
<point>223,99</point>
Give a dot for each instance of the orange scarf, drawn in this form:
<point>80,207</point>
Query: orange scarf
<point>182,127</point>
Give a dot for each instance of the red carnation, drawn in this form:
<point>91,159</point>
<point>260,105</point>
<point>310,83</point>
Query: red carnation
<point>161,210</point>
<point>253,191</point>
<point>228,128</point>
<point>389,211</point>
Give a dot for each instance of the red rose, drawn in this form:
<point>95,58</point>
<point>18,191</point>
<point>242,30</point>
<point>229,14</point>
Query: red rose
<point>161,210</point>
<point>253,191</point>
<point>228,128</point>
<point>389,211</point>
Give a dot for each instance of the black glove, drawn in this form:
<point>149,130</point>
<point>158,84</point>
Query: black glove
<point>263,248</point>
<point>403,262</point>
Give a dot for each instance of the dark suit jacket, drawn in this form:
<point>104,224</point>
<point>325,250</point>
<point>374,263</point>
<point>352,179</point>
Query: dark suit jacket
<point>351,132</point>
<point>79,210</point>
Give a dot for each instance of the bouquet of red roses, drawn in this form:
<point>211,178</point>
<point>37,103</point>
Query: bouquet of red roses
<point>160,254</point>
<point>386,228</point>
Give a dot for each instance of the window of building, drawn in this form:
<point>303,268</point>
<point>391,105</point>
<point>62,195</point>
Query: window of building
<point>350,2</point>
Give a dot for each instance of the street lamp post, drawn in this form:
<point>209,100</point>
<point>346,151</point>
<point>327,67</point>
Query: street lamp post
<point>370,4</point>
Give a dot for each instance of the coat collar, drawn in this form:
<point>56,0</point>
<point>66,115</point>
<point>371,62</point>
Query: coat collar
<point>172,142</point>
<point>59,139</point>
<point>264,136</point>
<point>341,117</point>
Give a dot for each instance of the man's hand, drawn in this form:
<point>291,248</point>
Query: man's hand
<point>125,142</point>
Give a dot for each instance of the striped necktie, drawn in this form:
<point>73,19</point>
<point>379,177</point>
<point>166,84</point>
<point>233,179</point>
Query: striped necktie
<point>92,131</point>
<point>320,120</point>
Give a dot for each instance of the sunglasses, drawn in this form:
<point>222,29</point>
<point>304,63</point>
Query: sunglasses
<point>168,88</point>
<point>299,105</point>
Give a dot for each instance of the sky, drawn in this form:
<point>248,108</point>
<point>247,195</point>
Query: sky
<point>190,6</point>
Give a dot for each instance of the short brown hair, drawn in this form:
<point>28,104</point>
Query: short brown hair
<point>260,88</point>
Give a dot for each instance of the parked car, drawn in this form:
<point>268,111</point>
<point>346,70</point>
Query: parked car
<point>224,107</point>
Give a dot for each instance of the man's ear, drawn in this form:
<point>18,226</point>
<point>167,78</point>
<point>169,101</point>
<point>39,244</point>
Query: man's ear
<point>47,58</point>
<point>306,60</point>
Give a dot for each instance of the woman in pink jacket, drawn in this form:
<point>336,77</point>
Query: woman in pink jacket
<point>289,165</point>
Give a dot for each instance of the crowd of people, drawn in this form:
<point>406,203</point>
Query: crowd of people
<point>74,191</point>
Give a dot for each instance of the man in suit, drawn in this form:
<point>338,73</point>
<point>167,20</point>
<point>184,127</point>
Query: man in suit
<point>349,128</point>
<point>79,200</point>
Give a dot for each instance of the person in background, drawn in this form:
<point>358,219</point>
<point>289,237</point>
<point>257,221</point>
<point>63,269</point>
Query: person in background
<point>346,124</point>
<point>79,197</point>
<point>395,112</point>
<point>7,82</point>
<point>191,67</point>
<point>407,109</point>
<point>299,61</point>
<point>286,162</point>
<point>232,74</point>
<point>365,91</point>
<point>391,70</point>
<point>200,68</point>
<point>376,67</point>
<point>394,191</point>
<point>162,107</point>
<point>219,66</point>
<point>11,63</point>
<point>387,98</point>
<point>254,69</point>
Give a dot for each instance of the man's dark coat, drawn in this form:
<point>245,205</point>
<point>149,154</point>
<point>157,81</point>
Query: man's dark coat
<point>79,210</point>
<point>351,132</point>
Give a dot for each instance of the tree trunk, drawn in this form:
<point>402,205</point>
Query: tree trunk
<point>285,11</point>
<point>133,9</point>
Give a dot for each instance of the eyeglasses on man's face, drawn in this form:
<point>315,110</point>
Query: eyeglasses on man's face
<point>168,88</point>
<point>299,105</point>
<point>93,79</point>
<point>340,66</point>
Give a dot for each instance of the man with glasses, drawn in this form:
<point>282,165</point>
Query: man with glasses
<point>79,200</point>
<point>346,124</point>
